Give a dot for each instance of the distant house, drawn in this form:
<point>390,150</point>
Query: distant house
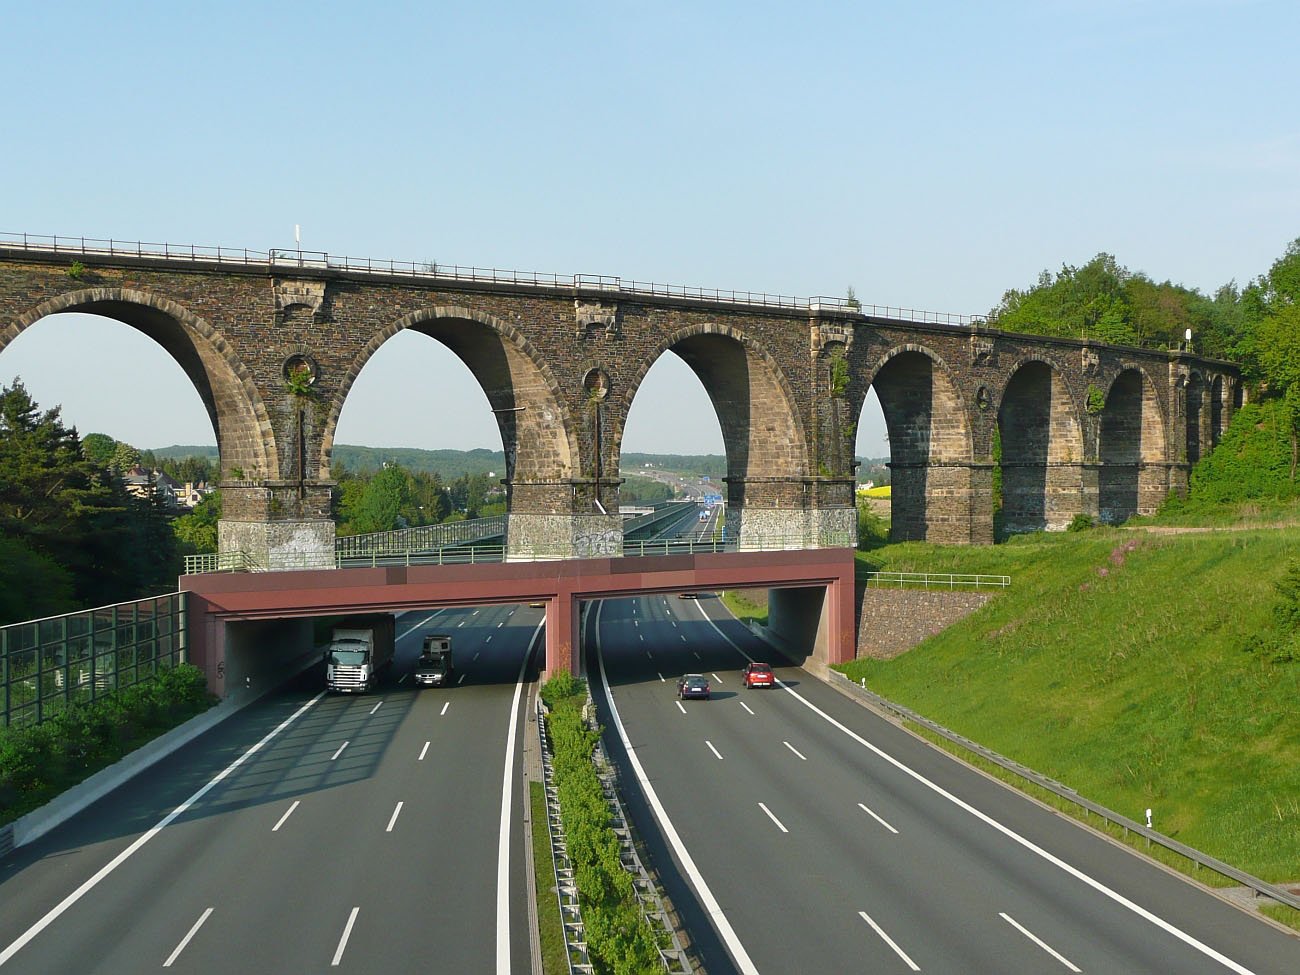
<point>141,483</point>
<point>190,495</point>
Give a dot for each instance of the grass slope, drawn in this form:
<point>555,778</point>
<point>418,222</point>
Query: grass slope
<point>1120,663</point>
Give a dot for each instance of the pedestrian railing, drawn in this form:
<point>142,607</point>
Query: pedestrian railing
<point>1070,795</point>
<point>934,580</point>
<point>276,259</point>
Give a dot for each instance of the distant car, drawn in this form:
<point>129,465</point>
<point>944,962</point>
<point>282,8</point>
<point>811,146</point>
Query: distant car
<point>537,604</point>
<point>688,595</point>
<point>758,675</point>
<point>693,685</point>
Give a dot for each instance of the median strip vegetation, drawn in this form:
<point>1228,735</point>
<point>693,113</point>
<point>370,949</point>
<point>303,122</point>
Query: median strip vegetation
<point>40,761</point>
<point>619,938</point>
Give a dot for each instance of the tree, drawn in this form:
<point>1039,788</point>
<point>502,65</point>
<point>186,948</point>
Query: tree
<point>32,585</point>
<point>98,448</point>
<point>197,531</point>
<point>1279,357</point>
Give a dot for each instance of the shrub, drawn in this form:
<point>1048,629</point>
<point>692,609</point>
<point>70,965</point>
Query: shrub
<point>1080,523</point>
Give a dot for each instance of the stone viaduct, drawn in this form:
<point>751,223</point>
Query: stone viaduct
<point>273,342</point>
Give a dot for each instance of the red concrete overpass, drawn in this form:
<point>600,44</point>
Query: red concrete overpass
<point>811,608</point>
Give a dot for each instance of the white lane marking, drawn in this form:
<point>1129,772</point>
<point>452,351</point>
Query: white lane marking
<point>402,678</point>
<point>674,622</point>
<point>195,930</point>
<point>683,636</point>
<point>287,813</point>
<point>460,624</point>
<point>343,941</point>
<point>889,941</point>
<point>376,707</point>
<point>339,752</point>
<point>475,613</point>
<point>697,654</point>
<point>420,624</point>
<point>714,750</point>
<point>1006,831</point>
<point>393,818</point>
<point>876,818</point>
<point>501,624</point>
<point>715,677</point>
<point>709,902</point>
<point>779,825</point>
<point>1037,940</point>
<point>447,704</point>
<point>640,637</point>
<point>163,823</point>
<point>662,679</point>
<point>680,706</point>
<point>636,624</point>
<point>459,680</point>
<point>746,707</point>
<point>793,749</point>
<point>476,653</point>
<point>504,833</point>
<point>489,638</point>
<point>424,751</point>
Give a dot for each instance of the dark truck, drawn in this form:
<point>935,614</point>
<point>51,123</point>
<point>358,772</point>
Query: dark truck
<point>435,665</point>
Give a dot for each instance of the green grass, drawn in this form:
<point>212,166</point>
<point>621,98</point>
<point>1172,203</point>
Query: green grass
<point>1123,665</point>
<point>550,926</point>
<point>746,605</point>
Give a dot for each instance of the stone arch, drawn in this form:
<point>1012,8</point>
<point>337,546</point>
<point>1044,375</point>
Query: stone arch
<point>1042,448</point>
<point>537,434</point>
<point>930,443</point>
<point>762,430</point>
<point>1133,476</point>
<point>245,438</point>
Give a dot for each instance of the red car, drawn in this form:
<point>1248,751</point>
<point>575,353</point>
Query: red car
<point>758,675</point>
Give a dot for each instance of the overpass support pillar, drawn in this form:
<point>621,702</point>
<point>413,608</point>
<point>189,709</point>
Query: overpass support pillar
<point>559,520</point>
<point>276,524</point>
<point>563,636</point>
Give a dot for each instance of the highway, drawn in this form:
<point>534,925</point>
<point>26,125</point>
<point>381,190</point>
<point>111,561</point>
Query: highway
<point>798,832</point>
<point>356,833</point>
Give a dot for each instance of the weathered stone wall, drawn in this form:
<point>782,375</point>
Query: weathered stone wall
<point>893,621</point>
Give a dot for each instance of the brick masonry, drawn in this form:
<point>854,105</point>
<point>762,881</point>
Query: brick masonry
<point>561,367</point>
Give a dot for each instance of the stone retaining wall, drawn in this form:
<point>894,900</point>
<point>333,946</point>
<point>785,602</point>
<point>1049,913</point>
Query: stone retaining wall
<point>893,621</point>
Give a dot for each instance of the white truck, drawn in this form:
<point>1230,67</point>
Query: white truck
<point>435,666</point>
<point>360,651</point>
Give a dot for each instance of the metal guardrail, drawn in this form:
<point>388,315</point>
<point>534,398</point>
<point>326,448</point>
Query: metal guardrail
<point>465,555</point>
<point>321,260</point>
<point>934,580</point>
<point>1072,796</point>
<point>425,538</point>
<point>661,513</point>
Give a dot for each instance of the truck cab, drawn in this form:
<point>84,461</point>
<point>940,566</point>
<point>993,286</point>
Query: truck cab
<point>435,666</point>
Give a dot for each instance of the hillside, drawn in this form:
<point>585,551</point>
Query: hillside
<point>1142,669</point>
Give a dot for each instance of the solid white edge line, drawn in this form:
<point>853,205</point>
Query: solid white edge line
<point>186,940</point>
<point>287,813</point>
<point>163,823</point>
<point>1011,834</point>
<point>420,624</point>
<point>343,940</point>
<point>710,903</point>
<point>339,752</point>
<point>714,750</point>
<point>392,820</point>
<point>877,818</point>
<point>779,825</point>
<point>424,751</point>
<point>503,835</point>
<point>889,941</point>
<point>795,750</point>
<point>1037,940</point>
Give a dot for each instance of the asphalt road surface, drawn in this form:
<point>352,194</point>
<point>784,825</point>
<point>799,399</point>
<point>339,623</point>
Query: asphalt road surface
<point>357,833</point>
<point>798,832</point>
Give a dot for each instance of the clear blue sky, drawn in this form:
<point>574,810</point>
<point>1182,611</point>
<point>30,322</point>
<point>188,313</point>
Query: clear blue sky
<point>931,155</point>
